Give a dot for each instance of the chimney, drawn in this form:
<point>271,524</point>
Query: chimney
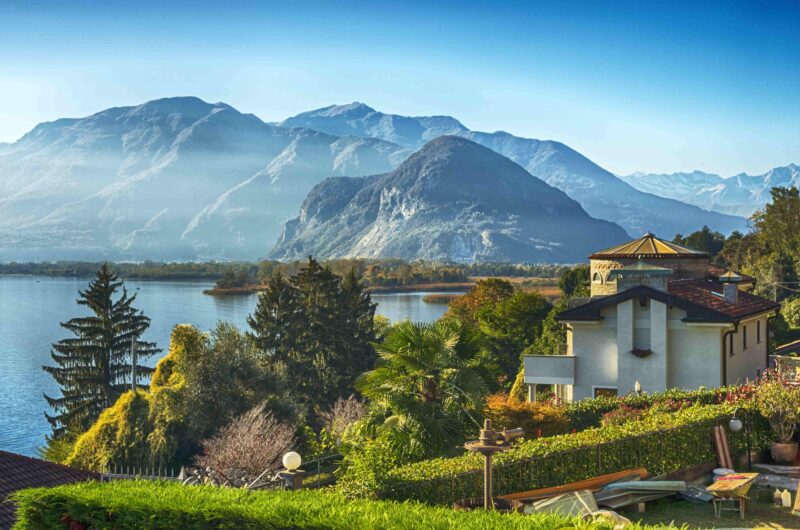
<point>730,292</point>
<point>730,286</point>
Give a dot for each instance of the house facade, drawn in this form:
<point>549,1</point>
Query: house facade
<point>661,315</point>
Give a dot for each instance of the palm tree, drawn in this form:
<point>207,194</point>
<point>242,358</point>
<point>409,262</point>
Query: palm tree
<point>425,391</point>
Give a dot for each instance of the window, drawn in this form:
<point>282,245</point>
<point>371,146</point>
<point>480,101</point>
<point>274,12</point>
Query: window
<point>758,332</point>
<point>744,337</point>
<point>600,391</point>
<point>596,278</point>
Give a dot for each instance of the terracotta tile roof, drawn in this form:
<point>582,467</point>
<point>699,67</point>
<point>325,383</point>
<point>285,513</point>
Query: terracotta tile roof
<point>709,295</point>
<point>18,472</point>
<point>701,299</point>
<point>648,246</point>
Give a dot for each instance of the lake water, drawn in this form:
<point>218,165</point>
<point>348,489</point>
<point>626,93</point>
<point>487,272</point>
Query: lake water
<point>32,307</point>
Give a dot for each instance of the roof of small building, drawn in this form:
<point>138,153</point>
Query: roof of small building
<point>715,272</point>
<point>788,349</point>
<point>648,246</point>
<point>701,299</point>
<point>18,472</point>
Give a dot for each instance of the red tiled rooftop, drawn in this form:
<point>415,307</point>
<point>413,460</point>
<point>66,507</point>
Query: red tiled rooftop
<point>19,472</point>
<point>709,294</point>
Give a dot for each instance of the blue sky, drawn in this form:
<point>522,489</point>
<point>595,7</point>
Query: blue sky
<point>652,86</point>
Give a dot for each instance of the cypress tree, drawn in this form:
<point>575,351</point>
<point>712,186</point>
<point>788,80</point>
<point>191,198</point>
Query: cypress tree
<point>94,367</point>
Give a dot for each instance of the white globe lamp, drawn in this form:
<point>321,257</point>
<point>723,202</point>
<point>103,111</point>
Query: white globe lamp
<point>292,461</point>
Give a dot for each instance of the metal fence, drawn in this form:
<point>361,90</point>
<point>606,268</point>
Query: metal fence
<point>320,472</point>
<point>120,472</point>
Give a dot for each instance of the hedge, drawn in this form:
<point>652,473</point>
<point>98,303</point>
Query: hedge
<point>588,413</point>
<point>146,505</point>
<point>660,442</point>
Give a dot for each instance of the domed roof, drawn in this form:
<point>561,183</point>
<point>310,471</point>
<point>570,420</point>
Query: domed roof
<point>648,246</point>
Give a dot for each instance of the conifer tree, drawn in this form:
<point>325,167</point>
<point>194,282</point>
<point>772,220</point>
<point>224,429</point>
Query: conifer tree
<point>319,327</point>
<point>94,367</point>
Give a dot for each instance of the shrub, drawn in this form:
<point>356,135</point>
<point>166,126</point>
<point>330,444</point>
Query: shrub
<point>779,402</point>
<point>142,505</point>
<point>623,414</point>
<point>660,442</point>
<point>251,444</point>
<point>538,419</point>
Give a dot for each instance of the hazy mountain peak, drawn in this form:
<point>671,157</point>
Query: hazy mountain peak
<point>451,200</point>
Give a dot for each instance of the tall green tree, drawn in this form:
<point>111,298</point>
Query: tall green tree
<point>319,327</point>
<point>575,282</point>
<point>425,392</point>
<point>94,367</point>
<point>705,239</point>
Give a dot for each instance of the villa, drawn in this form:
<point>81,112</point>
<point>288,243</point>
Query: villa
<point>659,316</point>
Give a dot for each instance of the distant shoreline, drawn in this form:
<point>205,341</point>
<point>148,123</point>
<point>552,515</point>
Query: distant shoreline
<point>449,287</point>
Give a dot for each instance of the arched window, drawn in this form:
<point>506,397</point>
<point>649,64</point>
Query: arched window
<point>596,278</point>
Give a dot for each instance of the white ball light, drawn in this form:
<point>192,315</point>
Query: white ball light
<point>735,424</point>
<point>292,461</point>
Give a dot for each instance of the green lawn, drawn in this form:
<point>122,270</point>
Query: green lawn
<point>761,513</point>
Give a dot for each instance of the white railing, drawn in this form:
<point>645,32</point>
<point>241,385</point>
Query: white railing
<point>549,369</point>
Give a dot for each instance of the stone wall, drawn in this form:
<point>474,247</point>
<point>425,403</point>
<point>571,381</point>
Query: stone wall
<point>684,268</point>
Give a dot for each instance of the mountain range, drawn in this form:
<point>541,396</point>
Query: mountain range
<point>173,179</point>
<point>740,194</point>
<point>453,199</point>
<point>180,178</point>
<point>601,193</point>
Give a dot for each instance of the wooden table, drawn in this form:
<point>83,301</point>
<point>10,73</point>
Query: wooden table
<point>732,488</point>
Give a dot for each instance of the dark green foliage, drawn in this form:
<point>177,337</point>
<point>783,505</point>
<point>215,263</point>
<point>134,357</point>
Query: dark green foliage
<point>705,239</point>
<point>552,339</point>
<point>319,328</point>
<point>151,270</point>
<point>575,282</point>
<point>771,251</point>
<point>94,367</point>
<point>510,326</point>
<point>426,391</point>
<point>145,505</point>
<point>509,321</point>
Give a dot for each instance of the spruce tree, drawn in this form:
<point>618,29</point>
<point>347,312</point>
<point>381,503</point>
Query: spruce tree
<point>319,327</point>
<point>94,367</point>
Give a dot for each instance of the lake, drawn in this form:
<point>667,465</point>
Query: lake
<point>32,307</point>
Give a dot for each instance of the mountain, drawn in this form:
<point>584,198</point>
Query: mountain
<point>452,200</point>
<point>602,194</point>
<point>740,194</point>
<point>175,178</point>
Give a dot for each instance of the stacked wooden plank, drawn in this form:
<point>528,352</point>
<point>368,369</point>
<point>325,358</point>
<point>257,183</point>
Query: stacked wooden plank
<point>614,490</point>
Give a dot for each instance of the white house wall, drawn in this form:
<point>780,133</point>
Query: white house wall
<point>750,362</point>
<point>694,356</point>
<point>595,346</point>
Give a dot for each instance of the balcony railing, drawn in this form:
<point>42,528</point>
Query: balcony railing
<point>549,369</point>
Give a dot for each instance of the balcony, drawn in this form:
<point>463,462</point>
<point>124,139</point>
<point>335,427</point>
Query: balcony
<point>549,369</point>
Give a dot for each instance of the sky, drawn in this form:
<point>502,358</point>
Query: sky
<point>635,86</point>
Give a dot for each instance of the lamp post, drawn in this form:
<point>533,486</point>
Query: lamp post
<point>735,424</point>
<point>292,476</point>
<point>489,443</point>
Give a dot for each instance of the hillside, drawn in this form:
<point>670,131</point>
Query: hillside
<point>452,200</point>
<point>602,194</point>
<point>175,178</point>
